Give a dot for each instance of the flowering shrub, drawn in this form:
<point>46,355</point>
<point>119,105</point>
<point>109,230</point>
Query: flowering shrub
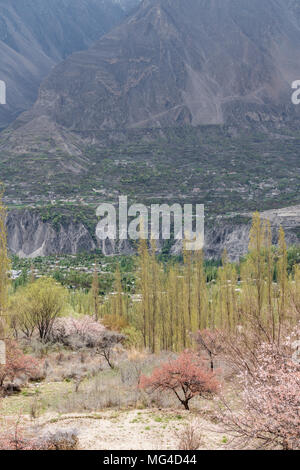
<point>271,400</point>
<point>82,332</point>
<point>17,364</point>
<point>185,376</point>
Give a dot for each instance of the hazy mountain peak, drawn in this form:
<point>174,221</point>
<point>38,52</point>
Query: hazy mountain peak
<point>37,34</point>
<point>180,63</point>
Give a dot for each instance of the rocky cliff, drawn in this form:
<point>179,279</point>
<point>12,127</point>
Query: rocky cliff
<point>30,236</point>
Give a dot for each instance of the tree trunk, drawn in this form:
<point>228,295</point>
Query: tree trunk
<point>211,362</point>
<point>186,404</point>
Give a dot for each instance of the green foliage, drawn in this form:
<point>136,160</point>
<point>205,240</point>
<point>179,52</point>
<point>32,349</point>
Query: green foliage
<point>37,305</point>
<point>134,337</point>
<point>163,299</point>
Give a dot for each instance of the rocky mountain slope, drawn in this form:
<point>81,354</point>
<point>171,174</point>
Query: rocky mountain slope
<point>184,101</point>
<point>174,63</point>
<point>37,34</point>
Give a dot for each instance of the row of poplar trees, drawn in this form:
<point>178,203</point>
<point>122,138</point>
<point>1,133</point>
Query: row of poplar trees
<point>174,301</point>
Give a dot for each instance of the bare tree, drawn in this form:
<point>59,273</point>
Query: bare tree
<point>209,342</point>
<point>107,344</point>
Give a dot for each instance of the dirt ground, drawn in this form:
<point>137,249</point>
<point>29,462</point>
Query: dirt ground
<point>134,429</point>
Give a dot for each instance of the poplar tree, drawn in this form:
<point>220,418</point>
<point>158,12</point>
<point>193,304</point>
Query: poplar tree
<point>188,274</point>
<point>143,287</point>
<point>201,296</point>
<point>32,276</point>
<point>257,259</point>
<point>4,267</point>
<point>270,277</point>
<point>282,279</point>
<point>155,298</point>
<point>119,311</point>
<point>95,292</point>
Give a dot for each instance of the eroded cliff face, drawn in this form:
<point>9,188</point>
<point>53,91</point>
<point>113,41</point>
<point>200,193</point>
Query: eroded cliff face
<point>234,237</point>
<point>30,236</point>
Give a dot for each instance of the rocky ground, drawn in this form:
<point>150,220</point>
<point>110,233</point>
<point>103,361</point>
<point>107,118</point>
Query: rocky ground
<point>150,429</point>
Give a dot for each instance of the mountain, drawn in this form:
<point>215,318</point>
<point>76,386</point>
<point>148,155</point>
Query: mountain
<point>183,101</point>
<point>37,34</point>
<point>174,63</point>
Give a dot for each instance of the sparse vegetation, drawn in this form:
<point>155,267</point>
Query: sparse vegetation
<point>163,335</point>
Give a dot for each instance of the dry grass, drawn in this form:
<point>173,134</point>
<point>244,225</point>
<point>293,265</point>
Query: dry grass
<point>190,437</point>
<point>107,407</point>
